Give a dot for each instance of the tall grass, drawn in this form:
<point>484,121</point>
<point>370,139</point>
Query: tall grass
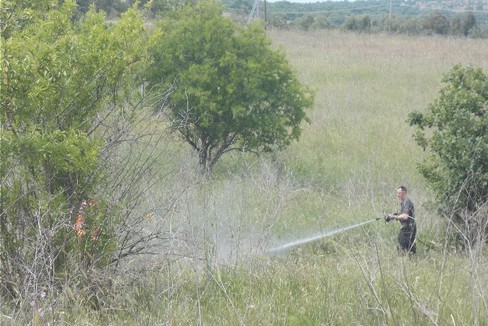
<point>345,168</point>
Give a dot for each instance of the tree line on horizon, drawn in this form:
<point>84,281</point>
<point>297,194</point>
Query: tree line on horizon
<point>405,17</point>
<point>412,17</point>
<point>464,24</point>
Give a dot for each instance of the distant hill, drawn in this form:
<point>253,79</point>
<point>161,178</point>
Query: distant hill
<point>409,16</point>
<point>447,17</point>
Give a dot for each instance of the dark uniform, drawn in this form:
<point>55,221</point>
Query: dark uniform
<point>406,237</point>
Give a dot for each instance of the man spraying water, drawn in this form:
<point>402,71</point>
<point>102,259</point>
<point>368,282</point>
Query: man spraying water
<point>406,237</point>
<point>406,216</point>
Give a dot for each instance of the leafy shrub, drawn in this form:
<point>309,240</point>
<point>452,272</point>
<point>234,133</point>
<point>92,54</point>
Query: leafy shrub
<point>455,132</point>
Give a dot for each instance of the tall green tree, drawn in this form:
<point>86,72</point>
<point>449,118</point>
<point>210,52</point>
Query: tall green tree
<point>229,89</point>
<point>455,132</point>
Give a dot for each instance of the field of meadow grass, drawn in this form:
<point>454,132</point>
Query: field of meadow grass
<point>356,150</point>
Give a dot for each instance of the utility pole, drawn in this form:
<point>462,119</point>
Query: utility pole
<point>255,9</point>
<point>389,19</point>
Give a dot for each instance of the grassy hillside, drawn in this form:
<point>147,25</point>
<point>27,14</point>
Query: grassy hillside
<point>214,269</point>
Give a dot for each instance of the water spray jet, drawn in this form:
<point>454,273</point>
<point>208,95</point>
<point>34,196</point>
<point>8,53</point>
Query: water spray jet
<point>322,235</point>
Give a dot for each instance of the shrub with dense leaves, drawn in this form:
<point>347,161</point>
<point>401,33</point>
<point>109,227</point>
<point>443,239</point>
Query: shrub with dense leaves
<point>455,131</point>
<point>58,75</point>
<point>230,91</point>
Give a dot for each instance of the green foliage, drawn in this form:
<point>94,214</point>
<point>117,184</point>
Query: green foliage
<point>305,22</point>
<point>436,23</point>
<point>64,69</point>
<point>110,7</point>
<point>57,75</point>
<point>229,89</point>
<point>358,23</point>
<point>455,132</point>
<point>16,14</point>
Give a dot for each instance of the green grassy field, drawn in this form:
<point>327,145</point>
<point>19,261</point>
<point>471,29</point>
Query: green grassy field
<point>344,170</point>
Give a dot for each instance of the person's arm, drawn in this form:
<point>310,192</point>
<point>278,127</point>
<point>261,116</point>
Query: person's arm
<point>401,217</point>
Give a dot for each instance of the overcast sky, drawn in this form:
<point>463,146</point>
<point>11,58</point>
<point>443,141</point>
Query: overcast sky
<point>306,1</point>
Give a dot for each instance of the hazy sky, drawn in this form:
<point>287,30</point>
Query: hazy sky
<point>305,1</point>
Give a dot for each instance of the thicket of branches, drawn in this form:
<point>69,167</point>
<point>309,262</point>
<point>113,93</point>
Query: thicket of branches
<point>77,152</point>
